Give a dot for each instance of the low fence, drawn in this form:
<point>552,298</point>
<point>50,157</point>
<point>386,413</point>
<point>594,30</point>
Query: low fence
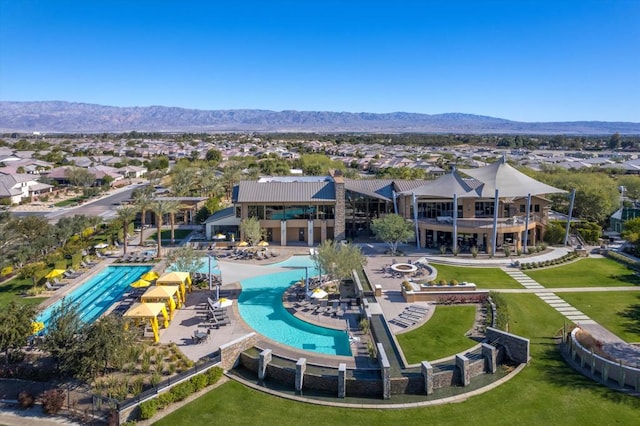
<point>598,368</point>
<point>125,408</point>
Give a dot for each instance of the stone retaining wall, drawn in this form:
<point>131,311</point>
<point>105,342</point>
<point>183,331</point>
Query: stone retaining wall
<point>516,347</point>
<point>602,370</point>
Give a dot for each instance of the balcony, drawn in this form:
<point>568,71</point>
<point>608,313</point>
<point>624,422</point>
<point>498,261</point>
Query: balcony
<point>510,224</point>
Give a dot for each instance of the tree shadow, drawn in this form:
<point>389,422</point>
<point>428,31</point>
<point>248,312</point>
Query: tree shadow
<point>632,314</point>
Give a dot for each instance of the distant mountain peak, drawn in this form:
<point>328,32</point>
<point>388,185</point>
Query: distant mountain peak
<point>61,116</point>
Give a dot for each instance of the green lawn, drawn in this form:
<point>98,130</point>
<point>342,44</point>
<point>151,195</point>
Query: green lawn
<point>482,277</point>
<point>589,272</point>
<point>442,336</point>
<point>618,312</point>
<point>179,234</point>
<point>13,290</point>
<point>545,392</point>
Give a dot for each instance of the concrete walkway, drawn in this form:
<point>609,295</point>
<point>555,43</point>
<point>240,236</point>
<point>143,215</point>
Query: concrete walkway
<point>612,344</point>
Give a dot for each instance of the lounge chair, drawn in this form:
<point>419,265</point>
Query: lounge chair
<point>51,287</point>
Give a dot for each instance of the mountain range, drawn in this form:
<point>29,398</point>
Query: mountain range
<point>72,117</point>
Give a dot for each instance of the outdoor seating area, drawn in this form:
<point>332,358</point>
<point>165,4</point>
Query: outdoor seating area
<point>215,313</point>
<point>241,253</point>
<point>137,257</point>
<point>410,316</point>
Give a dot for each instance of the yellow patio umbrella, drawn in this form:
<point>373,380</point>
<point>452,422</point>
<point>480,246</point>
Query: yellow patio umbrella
<point>55,273</point>
<point>149,311</point>
<point>165,294</point>
<point>263,244</point>
<point>140,283</point>
<point>150,276</point>
<point>243,244</point>
<point>37,327</point>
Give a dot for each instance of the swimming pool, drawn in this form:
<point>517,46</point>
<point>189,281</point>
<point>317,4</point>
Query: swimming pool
<point>98,293</point>
<point>260,305</point>
<point>204,269</point>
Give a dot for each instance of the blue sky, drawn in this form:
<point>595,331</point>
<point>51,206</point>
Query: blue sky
<point>517,59</point>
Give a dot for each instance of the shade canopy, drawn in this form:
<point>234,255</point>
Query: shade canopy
<point>149,311</point>
<point>164,294</point>
<point>55,273</point>
<point>101,246</point>
<point>243,244</point>
<point>174,278</point>
<point>150,276</point>
<point>145,310</point>
<point>508,181</point>
<point>182,279</point>
<point>263,244</point>
<point>140,283</point>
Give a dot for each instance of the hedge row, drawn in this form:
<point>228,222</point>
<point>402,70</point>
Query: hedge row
<point>627,261</point>
<point>566,258</point>
<point>180,392</point>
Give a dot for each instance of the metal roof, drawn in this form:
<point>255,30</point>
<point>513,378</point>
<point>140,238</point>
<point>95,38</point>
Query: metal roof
<point>285,192</point>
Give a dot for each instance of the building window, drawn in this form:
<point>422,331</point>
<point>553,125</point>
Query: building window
<point>536,208</point>
<point>523,208</point>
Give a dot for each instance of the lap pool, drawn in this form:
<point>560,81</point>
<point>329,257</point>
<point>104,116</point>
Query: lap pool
<point>260,305</point>
<point>98,293</point>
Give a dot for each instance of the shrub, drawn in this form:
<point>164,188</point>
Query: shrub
<point>442,282</point>
<point>455,251</point>
<point>502,311</point>
<point>443,249</point>
<point>432,282</point>
<point>474,251</point>
<point>454,282</point>
<point>199,382</point>
<point>26,400</point>
<point>52,401</point>
<point>507,251</point>
<point>148,409</point>
<point>182,390</point>
<point>213,375</point>
<point>165,399</point>
<point>519,252</point>
<point>155,379</point>
<point>407,286</point>
<point>6,271</point>
<point>364,325</point>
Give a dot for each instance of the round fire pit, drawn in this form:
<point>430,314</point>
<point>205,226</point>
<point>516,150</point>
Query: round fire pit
<point>404,268</point>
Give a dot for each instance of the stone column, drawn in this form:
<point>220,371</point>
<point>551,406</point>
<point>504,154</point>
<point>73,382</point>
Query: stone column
<point>323,230</point>
<point>490,354</point>
<point>265,359</point>
<point>427,374</point>
<point>283,232</point>
<point>339,218</point>
<point>301,367</point>
<point>342,380</point>
<point>385,372</point>
<point>310,233</point>
<point>462,362</point>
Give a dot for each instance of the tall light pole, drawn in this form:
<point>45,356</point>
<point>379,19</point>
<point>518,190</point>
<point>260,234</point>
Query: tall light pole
<point>210,255</point>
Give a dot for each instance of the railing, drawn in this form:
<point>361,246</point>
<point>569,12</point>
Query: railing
<point>483,222</point>
<point>154,391</point>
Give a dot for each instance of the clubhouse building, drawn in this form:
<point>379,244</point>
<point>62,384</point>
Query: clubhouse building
<point>488,207</point>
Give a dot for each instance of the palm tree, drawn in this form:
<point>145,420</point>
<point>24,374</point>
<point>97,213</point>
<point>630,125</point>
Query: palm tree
<point>142,199</point>
<point>173,207</point>
<point>160,208</point>
<point>126,215</point>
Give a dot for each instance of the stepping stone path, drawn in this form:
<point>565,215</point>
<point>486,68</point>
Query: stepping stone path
<point>550,298</point>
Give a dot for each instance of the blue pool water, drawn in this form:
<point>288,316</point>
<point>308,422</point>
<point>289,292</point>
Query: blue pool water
<point>260,305</point>
<point>98,293</point>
